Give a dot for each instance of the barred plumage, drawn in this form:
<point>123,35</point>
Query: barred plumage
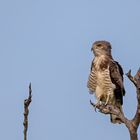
<point>92,81</point>
<point>100,83</point>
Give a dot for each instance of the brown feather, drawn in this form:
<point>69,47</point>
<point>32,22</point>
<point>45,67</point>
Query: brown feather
<point>106,77</point>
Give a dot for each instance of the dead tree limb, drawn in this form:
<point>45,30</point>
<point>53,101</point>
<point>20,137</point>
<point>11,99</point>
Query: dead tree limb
<point>133,124</point>
<point>26,112</point>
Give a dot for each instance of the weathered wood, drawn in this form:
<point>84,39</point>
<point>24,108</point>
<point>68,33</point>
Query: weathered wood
<point>26,112</point>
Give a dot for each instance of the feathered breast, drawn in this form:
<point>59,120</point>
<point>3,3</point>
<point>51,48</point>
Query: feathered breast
<point>101,63</point>
<point>100,75</point>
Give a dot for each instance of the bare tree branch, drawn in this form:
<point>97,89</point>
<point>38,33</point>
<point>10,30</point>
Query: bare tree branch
<point>26,112</point>
<point>131,78</point>
<point>136,80</point>
<point>110,109</point>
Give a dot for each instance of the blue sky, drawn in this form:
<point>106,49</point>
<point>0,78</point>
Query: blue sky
<point>47,43</point>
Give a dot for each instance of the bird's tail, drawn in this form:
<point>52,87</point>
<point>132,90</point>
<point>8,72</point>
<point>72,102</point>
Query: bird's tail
<point>115,119</point>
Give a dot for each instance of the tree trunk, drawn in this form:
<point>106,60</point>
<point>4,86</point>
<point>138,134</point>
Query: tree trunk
<point>133,135</point>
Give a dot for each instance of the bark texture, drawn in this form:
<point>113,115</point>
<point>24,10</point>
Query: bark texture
<point>26,112</point>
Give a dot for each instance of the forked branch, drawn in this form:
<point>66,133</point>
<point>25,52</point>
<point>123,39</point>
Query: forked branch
<point>136,81</point>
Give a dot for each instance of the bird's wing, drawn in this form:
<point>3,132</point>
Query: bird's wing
<point>92,80</point>
<point>116,75</point>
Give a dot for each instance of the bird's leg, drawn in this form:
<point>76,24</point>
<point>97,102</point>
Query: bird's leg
<point>107,100</point>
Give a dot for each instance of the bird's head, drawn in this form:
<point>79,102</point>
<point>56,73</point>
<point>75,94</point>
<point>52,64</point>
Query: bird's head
<point>101,48</point>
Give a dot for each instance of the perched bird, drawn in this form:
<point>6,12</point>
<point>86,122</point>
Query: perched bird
<point>106,78</point>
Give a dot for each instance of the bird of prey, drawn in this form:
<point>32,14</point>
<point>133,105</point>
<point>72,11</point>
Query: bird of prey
<point>106,78</point>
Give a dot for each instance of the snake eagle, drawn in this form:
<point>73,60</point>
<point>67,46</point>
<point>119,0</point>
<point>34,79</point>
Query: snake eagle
<point>106,77</point>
